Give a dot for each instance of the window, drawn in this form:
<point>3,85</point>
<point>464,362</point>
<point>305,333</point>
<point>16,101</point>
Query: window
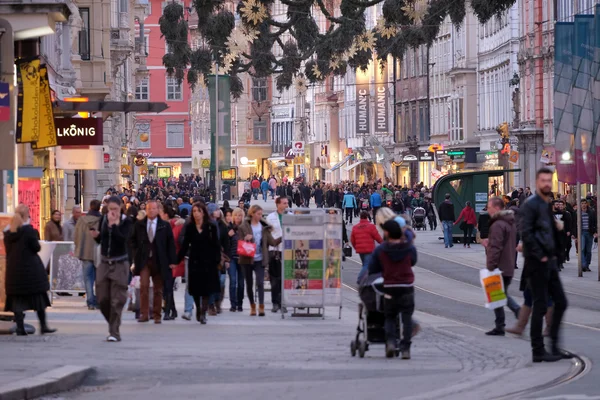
<point>259,89</point>
<point>175,136</point>
<point>123,6</point>
<point>84,34</point>
<point>143,133</point>
<point>259,131</point>
<point>173,90</point>
<point>142,92</point>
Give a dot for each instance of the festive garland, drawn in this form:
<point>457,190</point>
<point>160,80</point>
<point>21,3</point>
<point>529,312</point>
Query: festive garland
<point>309,55</point>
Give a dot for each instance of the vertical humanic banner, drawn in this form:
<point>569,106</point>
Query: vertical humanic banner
<point>596,85</point>
<point>563,109</point>
<point>48,136</point>
<point>381,97</point>
<point>224,116</point>
<point>583,119</point>
<point>362,101</point>
<point>28,101</point>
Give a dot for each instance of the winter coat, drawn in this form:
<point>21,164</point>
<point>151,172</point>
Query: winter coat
<point>233,241</point>
<point>204,251</point>
<point>113,239</point>
<point>85,245</point>
<point>332,198</point>
<point>318,196</point>
<point>538,229</point>
<point>469,215</point>
<point>592,222</point>
<point>500,252</point>
<point>264,186</point>
<point>177,225</point>
<point>446,211</point>
<point>483,224</point>
<point>375,200</point>
<point>267,240</point>
<point>69,230</point>
<point>52,233</point>
<point>25,272</point>
<point>164,246</point>
<point>363,237</point>
<point>394,261</point>
<point>349,201</point>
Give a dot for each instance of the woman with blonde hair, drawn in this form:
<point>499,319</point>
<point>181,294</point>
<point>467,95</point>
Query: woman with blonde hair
<point>235,271</point>
<point>26,281</point>
<point>255,230</point>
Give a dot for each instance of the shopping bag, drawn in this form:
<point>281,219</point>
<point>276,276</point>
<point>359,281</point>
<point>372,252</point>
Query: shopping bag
<point>246,249</point>
<point>493,288</point>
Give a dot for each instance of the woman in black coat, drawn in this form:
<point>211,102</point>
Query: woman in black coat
<point>201,240</point>
<point>26,280</point>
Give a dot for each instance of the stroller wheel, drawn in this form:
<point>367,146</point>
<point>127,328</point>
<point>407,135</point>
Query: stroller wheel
<point>362,349</point>
<point>353,348</point>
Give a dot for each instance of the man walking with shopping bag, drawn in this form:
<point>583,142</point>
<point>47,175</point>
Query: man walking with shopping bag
<point>500,254</point>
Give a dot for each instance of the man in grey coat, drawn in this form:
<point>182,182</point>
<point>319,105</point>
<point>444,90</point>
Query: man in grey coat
<point>69,226</point>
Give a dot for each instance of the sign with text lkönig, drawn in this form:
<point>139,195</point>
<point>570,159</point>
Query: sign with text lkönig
<point>79,131</point>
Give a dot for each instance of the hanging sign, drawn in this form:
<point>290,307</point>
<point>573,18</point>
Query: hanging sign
<point>28,101</point>
<point>47,131</point>
<point>79,131</point>
<point>362,102</point>
<point>381,97</point>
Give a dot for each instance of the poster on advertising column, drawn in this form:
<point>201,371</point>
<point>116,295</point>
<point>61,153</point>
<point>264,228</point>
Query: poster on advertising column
<point>30,195</point>
<point>381,97</point>
<point>303,266</point>
<point>363,90</point>
<point>224,118</point>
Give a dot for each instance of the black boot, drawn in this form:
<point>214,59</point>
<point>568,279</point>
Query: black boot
<point>168,300</point>
<point>203,310</point>
<point>547,357</point>
<point>43,325</point>
<point>20,321</point>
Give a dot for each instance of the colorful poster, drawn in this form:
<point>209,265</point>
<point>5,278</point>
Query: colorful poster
<point>28,101</point>
<point>48,136</point>
<point>563,108</point>
<point>303,266</point>
<point>583,119</point>
<point>30,195</point>
<point>363,94</point>
<point>224,117</point>
<point>381,97</point>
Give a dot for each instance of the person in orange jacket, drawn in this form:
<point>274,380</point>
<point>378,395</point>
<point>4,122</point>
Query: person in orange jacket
<point>363,238</point>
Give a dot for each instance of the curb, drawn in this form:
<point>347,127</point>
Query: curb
<point>54,381</point>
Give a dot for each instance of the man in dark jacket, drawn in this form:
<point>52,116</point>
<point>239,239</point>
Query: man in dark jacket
<point>153,247</point>
<point>447,218</point>
<point>398,204</point>
<point>500,254</point>
<point>394,260</point>
<point>589,231</point>
<point>564,236</point>
<point>538,230</point>
<point>319,196</point>
<point>113,271</point>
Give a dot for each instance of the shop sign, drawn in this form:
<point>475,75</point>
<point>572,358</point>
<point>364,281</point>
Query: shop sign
<point>289,153</point>
<point>106,158</point>
<point>458,153</point>
<point>281,164</point>
<point>514,157</point>
<point>144,170</point>
<point>298,147</point>
<point>282,113</point>
<point>426,156</point>
<point>147,155</point>
<point>79,131</point>
<point>548,155</point>
<point>88,158</point>
<point>125,170</point>
<point>205,163</point>
<point>410,157</point>
<point>140,160</point>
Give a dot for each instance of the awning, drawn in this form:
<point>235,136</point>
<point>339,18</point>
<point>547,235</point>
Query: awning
<point>338,165</point>
<point>111,106</point>
<point>169,159</point>
<point>354,165</point>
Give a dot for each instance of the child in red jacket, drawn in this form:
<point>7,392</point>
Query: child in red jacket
<point>363,238</point>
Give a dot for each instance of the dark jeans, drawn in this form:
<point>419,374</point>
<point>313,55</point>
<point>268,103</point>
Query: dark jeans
<point>468,233</point>
<point>511,304</point>
<point>402,302</point>
<point>544,281</point>
<point>259,270</point>
<point>432,222</point>
<point>375,209</point>
<point>275,277</point>
<point>349,213</point>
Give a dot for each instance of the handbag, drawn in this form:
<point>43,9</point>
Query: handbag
<point>347,250</point>
<point>463,226</point>
<point>246,249</point>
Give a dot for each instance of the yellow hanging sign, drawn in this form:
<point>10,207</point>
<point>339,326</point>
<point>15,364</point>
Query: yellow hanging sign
<point>47,136</point>
<point>28,101</point>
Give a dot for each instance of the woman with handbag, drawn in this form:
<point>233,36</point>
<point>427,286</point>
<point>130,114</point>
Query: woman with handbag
<point>470,222</point>
<point>201,239</point>
<point>253,251</point>
<point>235,271</point>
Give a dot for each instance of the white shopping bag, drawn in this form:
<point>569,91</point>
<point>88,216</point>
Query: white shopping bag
<point>493,288</point>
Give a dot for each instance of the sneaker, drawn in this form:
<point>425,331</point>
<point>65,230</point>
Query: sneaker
<point>406,354</point>
<point>390,349</point>
<point>112,339</point>
<point>495,332</point>
<point>187,316</point>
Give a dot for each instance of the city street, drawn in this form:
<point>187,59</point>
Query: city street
<point>237,356</point>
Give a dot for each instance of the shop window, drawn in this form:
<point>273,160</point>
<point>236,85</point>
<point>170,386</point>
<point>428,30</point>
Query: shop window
<point>142,91</point>
<point>175,136</point>
<point>84,34</point>
<point>259,131</point>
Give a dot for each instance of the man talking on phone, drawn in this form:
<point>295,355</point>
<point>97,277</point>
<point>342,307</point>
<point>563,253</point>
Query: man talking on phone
<point>85,249</point>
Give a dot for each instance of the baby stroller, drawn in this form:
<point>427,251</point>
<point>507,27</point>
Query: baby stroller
<point>371,319</point>
<point>419,215</point>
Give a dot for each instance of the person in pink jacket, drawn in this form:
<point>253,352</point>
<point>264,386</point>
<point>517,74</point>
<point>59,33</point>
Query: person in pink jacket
<point>470,222</point>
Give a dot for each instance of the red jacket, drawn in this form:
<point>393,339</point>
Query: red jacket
<point>255,184</point>
<point>363,237</point>
<point>469,215</point>
<point>177,225</point>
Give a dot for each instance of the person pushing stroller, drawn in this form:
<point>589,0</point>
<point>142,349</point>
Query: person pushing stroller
<point>394,259</point>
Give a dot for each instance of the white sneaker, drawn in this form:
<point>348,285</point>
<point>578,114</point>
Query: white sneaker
<point>112,339</point>
<point>187,316</point>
